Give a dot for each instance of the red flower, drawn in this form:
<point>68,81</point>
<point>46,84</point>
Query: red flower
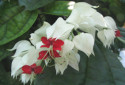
<point>52,41</point>
<point>33,68</point>
<point>44,54</point>
<point>117,33</point>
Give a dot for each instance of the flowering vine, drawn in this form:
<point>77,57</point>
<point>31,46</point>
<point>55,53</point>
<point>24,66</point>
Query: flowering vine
<point>58,43</point>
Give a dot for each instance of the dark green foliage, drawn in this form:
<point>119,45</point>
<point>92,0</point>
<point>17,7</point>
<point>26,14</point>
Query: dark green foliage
<point>34,4</point>
<point>14,21</point>
<point>59,8</point>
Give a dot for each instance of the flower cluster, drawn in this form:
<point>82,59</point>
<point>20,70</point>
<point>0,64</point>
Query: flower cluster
<point>59,44</point>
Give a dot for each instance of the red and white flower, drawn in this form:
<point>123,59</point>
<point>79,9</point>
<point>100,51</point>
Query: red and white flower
<point>53,45</point>
<point>24,56</point>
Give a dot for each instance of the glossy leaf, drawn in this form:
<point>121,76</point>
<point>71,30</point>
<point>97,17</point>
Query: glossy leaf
<point>60,8</point>
<point>34,4</point>
<point>104,68</point>
<point>14,21</point>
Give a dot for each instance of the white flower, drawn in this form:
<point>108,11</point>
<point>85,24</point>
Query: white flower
<point>84,42</point>
<point>60,29</point>
<point>106,36</point>
<point>80,11</point>
<point>68,57</point>
<point>107,33</point>
<point>89,23</point>
<point>23,57</point>
<point>86,18</point>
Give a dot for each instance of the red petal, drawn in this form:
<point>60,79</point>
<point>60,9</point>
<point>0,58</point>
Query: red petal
<point>27,69</point>
<point>47,45</point>
<point>38,70</point>
<point>57,45</point>
<point>59,42</point>
<point>52,39</point>
<point>33,65</point>
<point>44,40</point>
<point>117,33</point>
<point>43,55</point>
<point>54,53</point>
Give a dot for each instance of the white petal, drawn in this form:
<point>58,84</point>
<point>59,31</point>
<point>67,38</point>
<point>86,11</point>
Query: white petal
<point>59,28</point>
<point>16,65</point>
<point>25,78</point>
<point>65,35</point>
<point>74,59</point>
<point>74,19</point>
<point>84,42</point>
<point>106,37</point>
<point>21,47</point>
<point>68,46</point>
<point>110,23</point>
<point>38,45</point>
<point>50,30</point>
<point>42,30</point>
<point>84,9</point>
<point>34,38</point>
<point>80,10</point>
<point>31,57</point>
<point>86,27</point>
<point>78,57</point>
<point>102,37</point>
<point>60,65</point>
<point>110,36</point>
<point>90,23</point>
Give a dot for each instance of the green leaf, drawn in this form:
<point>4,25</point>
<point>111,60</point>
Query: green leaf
<point>59,8</point>
<point>34,4</point>
<point>70,76</point>
<point>104,68</point>
<point>14,21</point>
